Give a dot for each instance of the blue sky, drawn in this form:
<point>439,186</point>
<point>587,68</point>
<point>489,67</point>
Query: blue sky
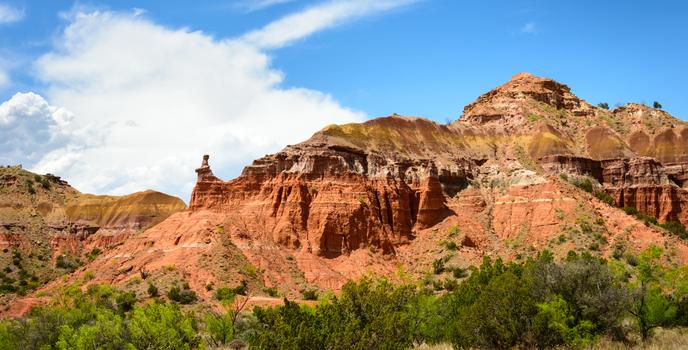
<point>425,57</point>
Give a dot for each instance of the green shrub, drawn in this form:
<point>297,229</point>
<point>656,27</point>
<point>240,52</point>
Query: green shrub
<point>453,231</point>
<point>632,260</point>
<point>126,301</point>
<point>646,219</point>
<point>309,294</point>
<point>67,262</point>
<point>220,329</point>
<point>225,294</point>
<point>272,291</point>
<point>93,254</point>
<point>438,266</point>
<point>617,253</point>
<point>182,295</point>
<point>450,284</point>
<point>162,326</point>
<point>29,186</point>
<point>450,245</point>
<point>152,290</point>
<point>584,184</point>
<point>458,272</point>
<point>676,228</point>
<point>631,211</point>
<point>603,105</point>
<point>605,197</point>
<point>45,183</point>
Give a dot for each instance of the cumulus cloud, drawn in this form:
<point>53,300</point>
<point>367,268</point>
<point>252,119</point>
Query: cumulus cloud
<point>147,100</point>
<point>9,14</point>
<point>322,16</point>
<point>30,128</point>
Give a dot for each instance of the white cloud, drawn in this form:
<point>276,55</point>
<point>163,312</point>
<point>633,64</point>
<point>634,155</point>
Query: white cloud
<point>322,16</point>
<point>9,14</point>
<point>529,28</point>
<point>148,101</point>
<point>30,128</point>
<point>256,5</point>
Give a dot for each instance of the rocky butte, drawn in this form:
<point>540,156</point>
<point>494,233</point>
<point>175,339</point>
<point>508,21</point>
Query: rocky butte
<point>404,196</point>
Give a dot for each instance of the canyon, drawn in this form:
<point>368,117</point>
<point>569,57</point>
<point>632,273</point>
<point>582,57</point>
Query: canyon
<point>401,196</point>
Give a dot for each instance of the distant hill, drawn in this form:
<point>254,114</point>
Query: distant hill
<point>48,228</point>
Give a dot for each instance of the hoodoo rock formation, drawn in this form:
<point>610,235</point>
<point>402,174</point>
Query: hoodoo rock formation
<point>405,193</point>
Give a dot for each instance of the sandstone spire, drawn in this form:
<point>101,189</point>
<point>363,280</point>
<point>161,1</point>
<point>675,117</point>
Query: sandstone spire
<point>204,172</point>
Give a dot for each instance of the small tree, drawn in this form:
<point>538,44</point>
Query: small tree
<point>651,308</point>
<point>657,105</point>
<point>603,105</point>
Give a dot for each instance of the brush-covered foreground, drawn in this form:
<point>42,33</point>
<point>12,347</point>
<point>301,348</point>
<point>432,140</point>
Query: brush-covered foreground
<point>581,302</point>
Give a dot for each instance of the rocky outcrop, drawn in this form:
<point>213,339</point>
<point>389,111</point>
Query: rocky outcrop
<point>330,202</point>
<point>510,105</point>
<point>376,184</point>
<point>567,164</point>
<point>642,182</point>
<point>677,173</point>
<point>664,202</point>
<point>633,172</point>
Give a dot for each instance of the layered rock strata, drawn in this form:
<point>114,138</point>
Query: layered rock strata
<point>378,183</point>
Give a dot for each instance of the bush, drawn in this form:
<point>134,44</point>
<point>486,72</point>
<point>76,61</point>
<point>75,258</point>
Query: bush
<point>538,303</point>
<point>220,329</point>
<point>93,254</point>
<point>656,105</point>
<point>603,105</point>
<point>631,211</point>
<point>676,228</point>
<point>309,294</point>
<point>617,253</point>
<point>162,326</point>
<point>67,262</point>
<point>227,294</point>
<point>45,183</point>
<point>646,219</point>
<point>453,231</point>
<point>458,272</point>
<point>450,245</point>
<point>126,301</point>
<point>584,184</point>
<point>152,290</point>
<point>242,288</point>
<point>605,197</point>
<point>438,266</point>
<point>272,291</point>
<point>96,320</point>
<point>29,186</point>
<point>182,295</point>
